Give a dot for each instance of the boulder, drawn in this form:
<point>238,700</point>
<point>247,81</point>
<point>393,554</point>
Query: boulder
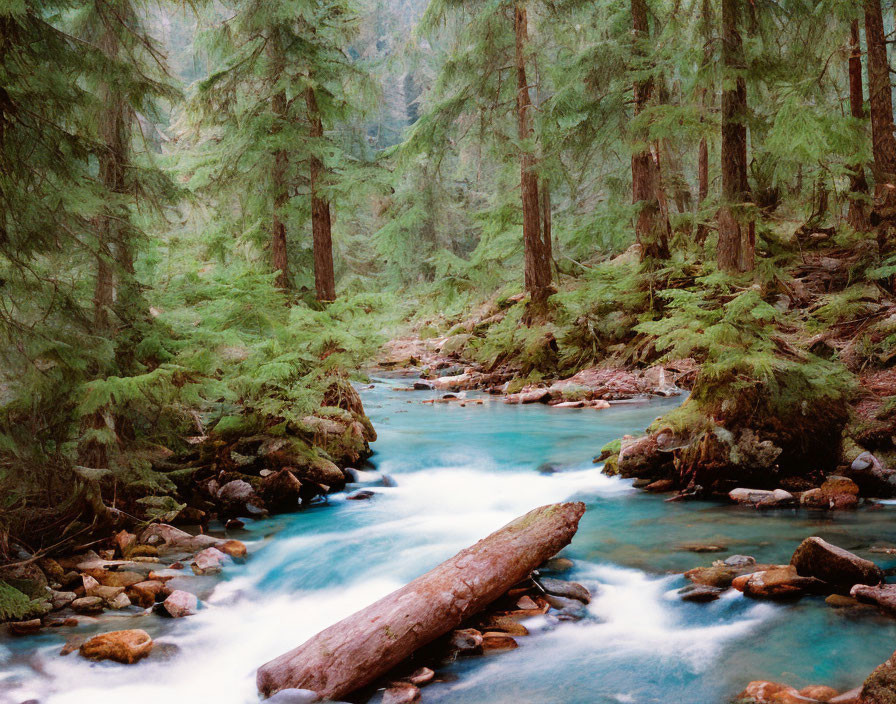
<point>282,491</point>
<point>180,603</point>
<point>237,497</point>
<point>323,472</point>
<point>533,396</point>
<point>840,568</point>
<point>460,382</point>
<point>883,596</point>
<point>126,647</point>
<point>719,576</point>
<point>780,583</point>
<point>837,493</point>
<point>819,692</point>
<point>880,686</point>
<point>761,692</point>
<point>642,457</point>
<point>872,477</point>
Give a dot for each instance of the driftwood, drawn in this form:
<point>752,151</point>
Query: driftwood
<point>366,645</point>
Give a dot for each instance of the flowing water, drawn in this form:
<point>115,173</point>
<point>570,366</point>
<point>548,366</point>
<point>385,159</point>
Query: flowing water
<point>460,473</point>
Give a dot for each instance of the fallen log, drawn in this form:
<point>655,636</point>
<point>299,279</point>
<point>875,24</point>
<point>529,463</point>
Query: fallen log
<point>369,643</point>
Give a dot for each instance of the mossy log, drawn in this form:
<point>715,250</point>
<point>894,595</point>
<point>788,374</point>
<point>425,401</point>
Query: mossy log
<point>366,645</point>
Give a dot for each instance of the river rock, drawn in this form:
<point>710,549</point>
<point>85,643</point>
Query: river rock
<point>883,596</point>
<point>761,497</point>
<point>779,583</point>
<point>872,477</point>
<point>24,628</point>
<point>761,692</point>
<point>169,538</point>
<point>237,497</point>
<point>234,548</point>
<point>719,576</point>
<point>837,493</point>
<point>117,579</point>
<point>842,569</point>
<point>700,593</point>
<point>819,692</point>
<point>533,396</point>
<point>180,603</point>
<point>208,561</point>
<point>88,605</point>
<point>494,642</point>
<point>642,457</point>
<point>660,486</point>
<point>466,640</point>
<point>880,686</point>
<point>401,693</point>
<point>126,647</point>
<point>853,696</point>
<point>360,495</point>
<point>460,382</point>
<point>146,593</point>
<point>507,625</point>
<point>118,602</point>
<point>282,491</point>
<point>124,541</point>
<point>740,561</point>
<point>59,600</point>
<point>421,676</point>
<point>558,565</point>
<point>570,590</point>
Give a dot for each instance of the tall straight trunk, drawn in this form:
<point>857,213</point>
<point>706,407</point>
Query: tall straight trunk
<point>324,279</point>
<point>537,264</point>
<point>881,100</point>
<point>546,221</point>
<point>703,150</point>
<point>737,235</point>
<point>652,226</point>
<point>858,185</point>
<point>279,255</point>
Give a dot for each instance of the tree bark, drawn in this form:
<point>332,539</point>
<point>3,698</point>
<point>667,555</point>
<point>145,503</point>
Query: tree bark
<point>537,265</point>
<point>652,226</point>
<point>324,278</point>
<point>279,254</point>
<point>881,101</point>
<point>858,185</point>
<point>546,221</point>
<point>737,235</point>
<point>703,150</point>
<point>366,645</point>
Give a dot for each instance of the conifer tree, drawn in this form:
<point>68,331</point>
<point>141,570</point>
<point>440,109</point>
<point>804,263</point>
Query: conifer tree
<point>858,185</point>
<point>652,227</point>
<point>880,98</point>
<point>737,238</point>
<point>284,75</point>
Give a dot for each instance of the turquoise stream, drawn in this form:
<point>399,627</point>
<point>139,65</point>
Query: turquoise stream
<point>462,472</point>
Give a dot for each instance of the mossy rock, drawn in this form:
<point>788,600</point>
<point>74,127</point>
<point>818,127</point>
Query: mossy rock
<point>880,687</point>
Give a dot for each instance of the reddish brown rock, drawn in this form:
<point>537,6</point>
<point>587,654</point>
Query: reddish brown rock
<point>492,642</point>
<point>819,692</point>
<point>401,693</point>
<point>126,647</point>
<point>234,548</point>
<point>840,568</point>
<point>146,593</point>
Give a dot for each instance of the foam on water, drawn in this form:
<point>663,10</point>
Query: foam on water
<point>461,473</point>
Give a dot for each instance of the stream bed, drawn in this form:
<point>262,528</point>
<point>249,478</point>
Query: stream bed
<point>460,473</point>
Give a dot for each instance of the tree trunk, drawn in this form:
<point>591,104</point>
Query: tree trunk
<point>703,151</point>
<point>737,235</point>
<point>858,185</point>
<point>324,279</point>
<point>652,226</point>
<point>364,646</point>
<point>537,265</point>
<point>546,221</point>
<point>279,254</point>
<point>881,100</point>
